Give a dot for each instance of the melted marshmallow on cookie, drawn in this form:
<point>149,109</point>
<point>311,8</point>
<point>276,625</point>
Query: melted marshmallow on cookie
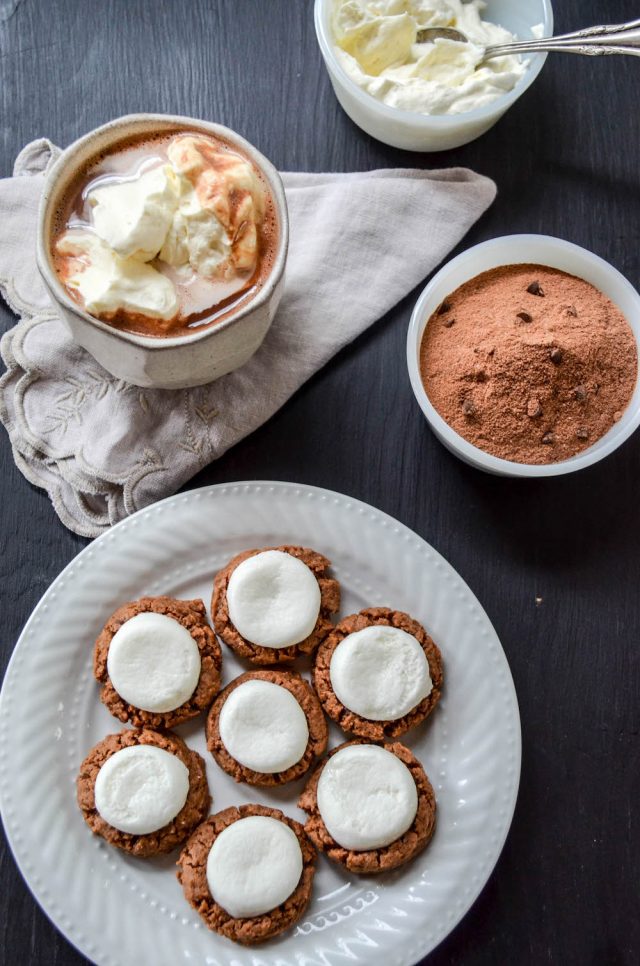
<point>153,662</point>
<point>141,789</point>
<point>381,673</point>
<point>254,865</point>
<point>263,727</point>
<point>367,797</point>
<point>273,599</point>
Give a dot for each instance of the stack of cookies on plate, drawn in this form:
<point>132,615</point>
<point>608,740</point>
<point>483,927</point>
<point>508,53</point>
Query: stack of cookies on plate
<point>248,870</point>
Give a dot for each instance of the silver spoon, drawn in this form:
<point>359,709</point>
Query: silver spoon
<point>593,41</point>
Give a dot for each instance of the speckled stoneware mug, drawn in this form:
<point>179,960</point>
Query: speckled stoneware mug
<point>175,362</point>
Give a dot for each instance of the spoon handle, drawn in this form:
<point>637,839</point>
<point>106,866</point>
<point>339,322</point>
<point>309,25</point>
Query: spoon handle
<point>598,33</point>
<point>588,50</point>
<point>592,42</point>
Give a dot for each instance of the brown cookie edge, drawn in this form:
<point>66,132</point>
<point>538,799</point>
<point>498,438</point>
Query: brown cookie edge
<point>164,839</point>
<point>329,604</point>
<point>192,615</point>
<point>308,701</point>
<point>398,853</point>
<point>348,720</point>
<point>193,879</point>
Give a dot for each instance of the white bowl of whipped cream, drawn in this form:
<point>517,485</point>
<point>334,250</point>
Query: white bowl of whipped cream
<point>162,241</point>
<point>427,96</point>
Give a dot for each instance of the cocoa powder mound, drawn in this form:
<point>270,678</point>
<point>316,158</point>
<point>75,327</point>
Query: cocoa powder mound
<point>529,363</point>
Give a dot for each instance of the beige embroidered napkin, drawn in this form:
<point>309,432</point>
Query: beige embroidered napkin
<point>102,448</point>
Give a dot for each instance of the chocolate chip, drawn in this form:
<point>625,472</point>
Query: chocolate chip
<point>535,289</point>
<point>480,375</point>
<point>556,356</point>
<point>549,439</point>
<point>444,308</point>
<point>582,434</point>
<point>524,316</point>
<point>580,393</point>
<point>448,323</point>
<point>572,311</point>
<point>534,409</point>
<point>469,407</point>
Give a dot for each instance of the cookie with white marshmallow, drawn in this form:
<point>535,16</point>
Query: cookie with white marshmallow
<point>266,728</point>
<point>272,605</point>
<point>158,661</point>
<point>378,674</point>
<point>143,791</point>
<point>371,807</point>
<point>248,872</point>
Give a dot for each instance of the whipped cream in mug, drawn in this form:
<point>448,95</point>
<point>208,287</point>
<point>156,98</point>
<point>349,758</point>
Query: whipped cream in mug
<point>376,45</point>
<point>165,232</point>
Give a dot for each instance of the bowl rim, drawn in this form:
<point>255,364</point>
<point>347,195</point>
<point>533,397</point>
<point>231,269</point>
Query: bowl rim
<point>427,121</point>
<point>119,127</point>
<point>461,447</point>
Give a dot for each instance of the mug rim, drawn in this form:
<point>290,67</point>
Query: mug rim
<point>118,128</point>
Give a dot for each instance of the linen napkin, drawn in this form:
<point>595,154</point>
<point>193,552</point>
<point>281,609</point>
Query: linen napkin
<point>102,448</point>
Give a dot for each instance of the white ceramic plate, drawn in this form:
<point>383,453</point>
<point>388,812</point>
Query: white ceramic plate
<point>120,911</point>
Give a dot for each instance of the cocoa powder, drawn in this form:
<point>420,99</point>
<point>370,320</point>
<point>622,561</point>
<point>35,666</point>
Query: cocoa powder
<point>529,363</point>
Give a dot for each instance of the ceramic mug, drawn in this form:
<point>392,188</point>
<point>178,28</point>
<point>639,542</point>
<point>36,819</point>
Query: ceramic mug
<point>175,362</point>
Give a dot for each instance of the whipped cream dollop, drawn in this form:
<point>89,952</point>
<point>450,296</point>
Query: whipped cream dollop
<point>153,662</point>
<point>140,789</point>
<point>195,217</point>
<point>377,46</point>
<point>263,727</point>
<point>221,204</point>
<point>380,672</point>
<point>133,217</point>
<point>273,599</point>
<point>253,866</point>
<point>107,283</point>
<point>367,797</point>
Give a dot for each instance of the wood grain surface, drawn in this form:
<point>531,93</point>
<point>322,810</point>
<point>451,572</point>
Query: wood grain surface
<point>555,563</point>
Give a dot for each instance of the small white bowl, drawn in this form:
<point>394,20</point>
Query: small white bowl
<point>173,362</point>
<point>421,132</point>
<point>513,250</point>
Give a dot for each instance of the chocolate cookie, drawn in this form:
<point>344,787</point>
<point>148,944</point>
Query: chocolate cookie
<point>306,698</point>
<point>347,719</point>
<point>175,832</point>
<point>403,849</point>
<point>192,615</point>
<point>329,604</point>
<point>192,874</point>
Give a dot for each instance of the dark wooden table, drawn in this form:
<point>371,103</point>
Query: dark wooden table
<point>555,563</point>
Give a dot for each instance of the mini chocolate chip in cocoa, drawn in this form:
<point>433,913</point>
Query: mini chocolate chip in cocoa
<point>448,323</point>
<point>444,308</point>
<point>535,289</point>
<point>524,316</point>
<point>556,355</point>
<point>534,409</point>
<point>580,393</point>
<point>582,433</point>
<point>549,439</point>
<point>469,407</point>
<point>480,375</point>
<point>572,311</point>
